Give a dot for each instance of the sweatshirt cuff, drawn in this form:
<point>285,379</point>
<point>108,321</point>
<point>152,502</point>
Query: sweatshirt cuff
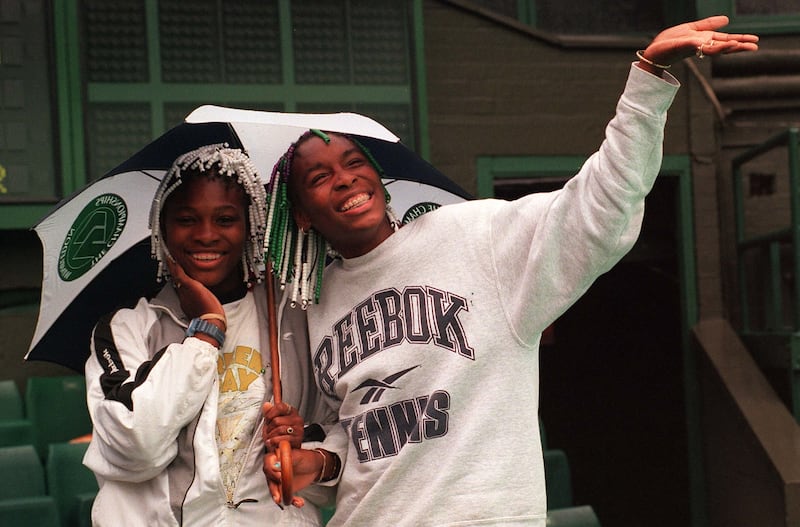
<point>649,93</point>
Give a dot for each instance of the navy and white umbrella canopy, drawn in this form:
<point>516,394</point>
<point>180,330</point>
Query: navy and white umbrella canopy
<point>96,243</point>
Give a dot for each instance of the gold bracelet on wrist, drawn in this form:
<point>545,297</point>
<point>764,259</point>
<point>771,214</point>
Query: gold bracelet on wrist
<point>335,466</point>
<point>324,463</point>
<point>640,55</point>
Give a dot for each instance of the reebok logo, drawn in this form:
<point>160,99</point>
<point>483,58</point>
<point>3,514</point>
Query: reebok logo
<point>376,388</point>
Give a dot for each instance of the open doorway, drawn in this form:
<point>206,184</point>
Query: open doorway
<point>612,376</point>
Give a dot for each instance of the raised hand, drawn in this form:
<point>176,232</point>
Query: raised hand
<point>698,38</point>
<point>196,299</point>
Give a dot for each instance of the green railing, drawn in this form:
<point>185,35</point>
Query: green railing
<point>768,265</point>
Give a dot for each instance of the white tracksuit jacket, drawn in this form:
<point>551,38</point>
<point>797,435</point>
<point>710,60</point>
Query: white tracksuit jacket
<point>152,395</point>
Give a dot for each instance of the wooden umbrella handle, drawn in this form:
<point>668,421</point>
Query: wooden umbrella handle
<point>287,471</point>
<point>275,357</point>
<point>284,448</point>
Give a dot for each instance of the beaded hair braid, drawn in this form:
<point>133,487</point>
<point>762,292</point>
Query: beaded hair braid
<point>222,162</point>
<point>298,257</point>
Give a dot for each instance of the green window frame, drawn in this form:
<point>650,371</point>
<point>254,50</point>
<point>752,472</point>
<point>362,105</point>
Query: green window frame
<point>527,12</point>
<point>28,186</point>
<point>127,71</point>
<point>759,24</point>
<point>675,12</point>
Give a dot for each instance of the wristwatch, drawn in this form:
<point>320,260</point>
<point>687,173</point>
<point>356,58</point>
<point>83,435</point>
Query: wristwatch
<point>198,325</point>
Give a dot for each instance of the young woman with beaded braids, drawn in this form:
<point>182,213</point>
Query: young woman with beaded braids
<point>177,384</point>
<point>426,337</point>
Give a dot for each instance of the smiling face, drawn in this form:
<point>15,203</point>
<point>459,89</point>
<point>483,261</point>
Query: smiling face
<point>336,190</point>
<point>205,226</point>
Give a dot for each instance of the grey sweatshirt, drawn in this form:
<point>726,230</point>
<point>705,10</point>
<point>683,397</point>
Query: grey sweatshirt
<point>429,343</point>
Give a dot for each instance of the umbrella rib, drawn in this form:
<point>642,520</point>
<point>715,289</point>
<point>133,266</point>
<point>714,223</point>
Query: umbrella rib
<point>148,174</point>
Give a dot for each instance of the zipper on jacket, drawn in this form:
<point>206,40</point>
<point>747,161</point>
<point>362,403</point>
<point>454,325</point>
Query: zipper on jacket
<point>232,505</point>
<point>231,493</point>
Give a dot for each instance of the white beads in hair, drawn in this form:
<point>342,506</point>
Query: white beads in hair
<point>232,163</point>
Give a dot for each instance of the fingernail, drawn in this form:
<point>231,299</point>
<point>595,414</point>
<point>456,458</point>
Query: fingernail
<point>277,465</point>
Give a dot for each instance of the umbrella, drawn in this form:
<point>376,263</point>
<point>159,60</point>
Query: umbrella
<point>96,243</point>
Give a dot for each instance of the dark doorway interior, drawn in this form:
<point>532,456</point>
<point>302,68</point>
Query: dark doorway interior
<point>612,381</point>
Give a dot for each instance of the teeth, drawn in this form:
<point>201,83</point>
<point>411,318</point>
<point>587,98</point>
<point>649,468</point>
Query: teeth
<point>207,257</point>
<point>354,202</point>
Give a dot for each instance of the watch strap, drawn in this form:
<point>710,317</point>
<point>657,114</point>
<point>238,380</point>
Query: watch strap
<point>198,325</point>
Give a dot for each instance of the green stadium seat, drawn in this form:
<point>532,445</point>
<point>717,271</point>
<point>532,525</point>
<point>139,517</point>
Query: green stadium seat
<point>71,484</point>
<point>57,409</point>
<point>11,405</point>
<point>23,498</point>
<point>558,480</point>
<point>33,511</point>
<point>16,432</point>
<point>14,428</point>
<point>23,474</point>
<point>582,516</point>
<point>85,502</point>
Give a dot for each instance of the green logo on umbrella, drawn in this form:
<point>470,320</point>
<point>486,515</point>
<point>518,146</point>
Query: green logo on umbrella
<point>418,210</point>
<point>92,235</point>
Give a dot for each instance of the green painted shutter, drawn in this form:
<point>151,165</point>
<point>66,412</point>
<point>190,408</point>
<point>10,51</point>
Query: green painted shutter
<point>27,157</point>
<point>149,63</point>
